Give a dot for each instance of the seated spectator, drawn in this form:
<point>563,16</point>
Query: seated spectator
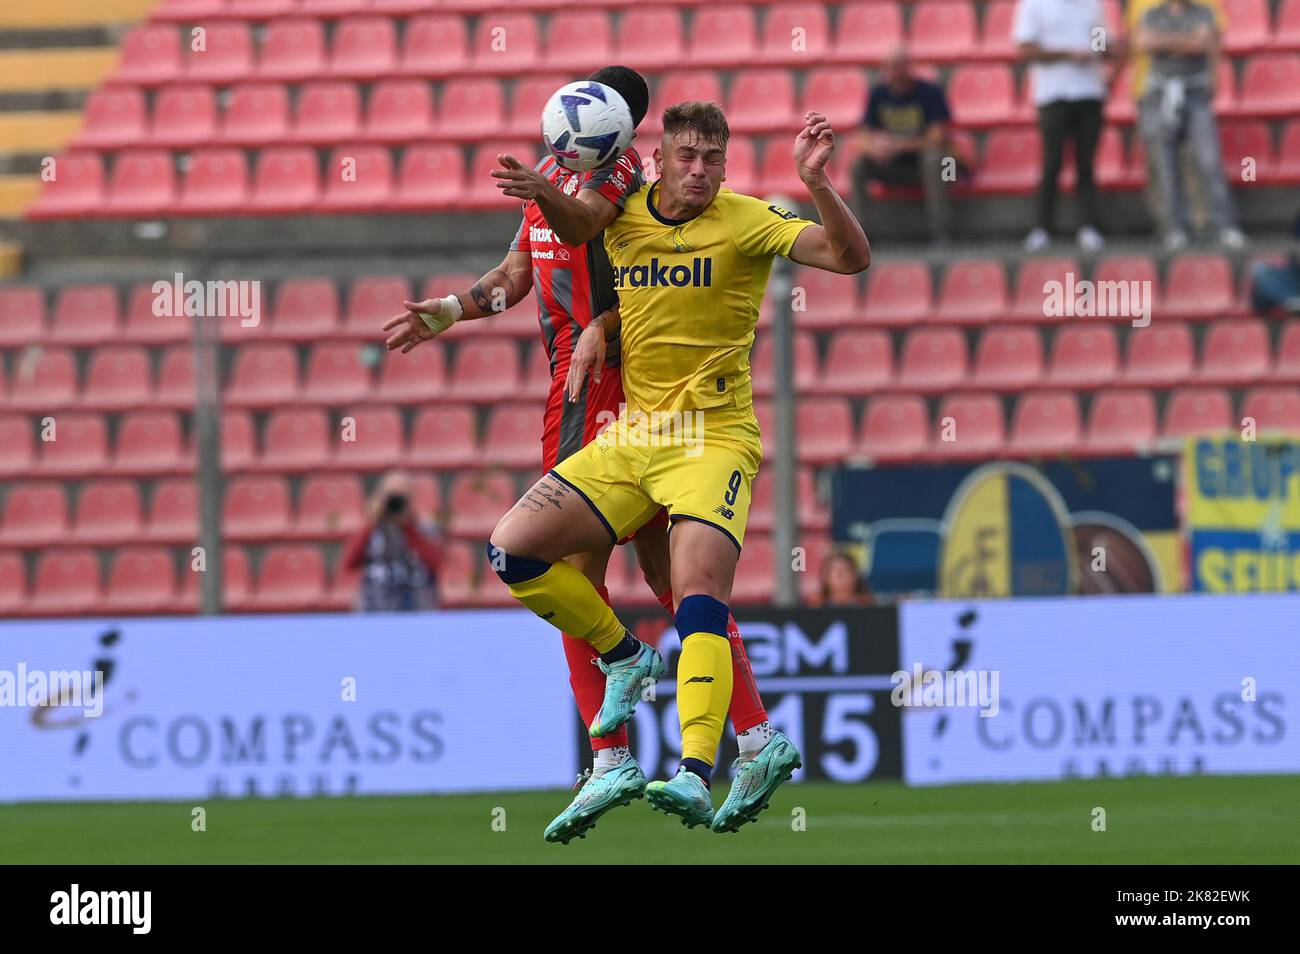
<point>1058,38</point>
<point>1183,42</point>
<point>905,141</point>
<point>842,583</point>
<point>1275,289</point>
<point>398,560</point>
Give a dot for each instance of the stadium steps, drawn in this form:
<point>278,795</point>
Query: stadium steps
<point>41,14</point>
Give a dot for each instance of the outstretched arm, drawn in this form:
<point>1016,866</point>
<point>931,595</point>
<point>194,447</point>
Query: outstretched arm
<point>838,244</point>
<point>575,220</point>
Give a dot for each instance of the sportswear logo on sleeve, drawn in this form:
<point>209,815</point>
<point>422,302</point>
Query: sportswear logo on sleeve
<point>783,213</point>
<point>700,679</point>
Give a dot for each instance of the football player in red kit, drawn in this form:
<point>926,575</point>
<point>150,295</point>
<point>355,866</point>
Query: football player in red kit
<point>557,253</point>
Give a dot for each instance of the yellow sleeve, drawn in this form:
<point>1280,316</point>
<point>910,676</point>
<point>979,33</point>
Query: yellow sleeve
<point>761,230</point>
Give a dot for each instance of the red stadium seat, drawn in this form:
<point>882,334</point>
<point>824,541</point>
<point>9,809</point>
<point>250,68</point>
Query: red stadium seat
<point>45,383</point>
<point>413,378</point>
<point>13,585</point>
<point>291,578</point>
<point>108,513</point>
<point>898,293</point>
<point>184,117</point>
<point>1083,355</point>
<point>970,426</point>
<point>1248,26</point>
<point>86,315</point>
<point>113,117</point>
<point>894,427</point>
<point>650,39</point>
<point>762,508</point>
<point>431,177</point>
<point>1121,422</point>
<point>374,442</point>
<point>795,34</point>
<point>148,442</point>
<point>1286,366</point>
<point>827,300</point>
<point>444,438</point>
<point>238,441</point>
<point>762,364</point>
<point>576,39</point>
<point>1286,34</point>
<point>259,9</point>
<point>78,189</point>
<point>330,506</point>
<point>358,179</point>
<point>678,87</point>
<point>1235,352</point>
<point>176,386</point>
<point>293,50</point>
<point>1197,411</point>
<point>305,309</point>
<point>537,373</point>
<point>824,431</point>
<point>1198,286</point>
<point>364,48</point>
<point>456,574</point>
<point>80,446</point>
<point>755,580</point>
<point>777,176</point>
<point>995,36</point>
<point>527,100</point>
<point>982,95</point>
<point>22,315</point>
<point>35,515</point>
<point>67,583</point>
<point>838,91</point>
<point>1120,106</point>
<point>216,182</point>
<point>1247,140</point>
<point>264,375</point>
<point>339,8</point>
<point>335,374</point>
<point>1032,290</point>
<point>287,180</point>
<point>974,291</point>
<point>506,44</point>
<point>1008,359</point>
<point>478,502</point>
<point>19,457</point>
<point>1132,268</point>
<point>399,111</point>
<point>473,108</point>
<point>143,183</point>
<point>485,371</point>
<point>867,33</point>
<point>761,100</point>
<point>227,55</point>
<point>174,511</point>
<point>141,580</point>
<point>1270,85</point>
<point>1287,169</point>
<point>295,439</point>
<point>933,359</point>
<point>150,55</point>
<point>1159,355</point>
<point>1046,422</point>
<point>941,30</point>
<point>255,508</point>
<point>118,377</point>
<point>513,437</point>
<point>435,45</point>
<point>256,114</point>
<point>725,35</point>
<point>328,111</point>
<point>482,192</point>
<point>371,301</point>
<point>144,327</point>
<point>1011,162</point>
<point>1111,166</point>
<point>236,581</point>
<point>742,165</point>
<point>1273,408</point>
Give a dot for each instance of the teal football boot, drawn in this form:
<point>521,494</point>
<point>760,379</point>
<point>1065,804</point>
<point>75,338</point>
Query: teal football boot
<point>624,681</point>
<point>757,778</point>
<point>685,794</point>
<point>598,794</point>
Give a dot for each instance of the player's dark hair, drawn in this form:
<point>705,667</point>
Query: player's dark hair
<point>704,119</point>
<point>630,85</point>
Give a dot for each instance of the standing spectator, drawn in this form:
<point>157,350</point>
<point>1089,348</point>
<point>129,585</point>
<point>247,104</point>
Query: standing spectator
<point>841,582</point>
<point>904,142</point>
<point>1182,40</point>
<point>1060,41</point>
<point>398,560</point>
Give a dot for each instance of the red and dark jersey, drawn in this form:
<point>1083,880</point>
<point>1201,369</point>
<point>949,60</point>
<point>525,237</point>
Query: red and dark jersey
<point>572,285</point>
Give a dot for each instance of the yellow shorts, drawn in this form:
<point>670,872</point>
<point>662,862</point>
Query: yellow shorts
<point>699,465</point>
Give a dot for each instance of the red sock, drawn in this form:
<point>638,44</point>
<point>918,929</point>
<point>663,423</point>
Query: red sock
<point>588,684</point>
<point>747,708</point>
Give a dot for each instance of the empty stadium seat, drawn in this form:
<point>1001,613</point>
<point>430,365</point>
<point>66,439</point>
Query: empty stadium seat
<point>649,39</point>
<point>477,502</point>
<point>430,177</point>
<point>982,94</point>
<point>1046,422</point>
<point>371,301</point>
<point>898,293</point>
<point>577,38</point>
<point>762,364</point>
<point>824,430</point>
<point>401,110</point>
<point>19,445</point>
<point>435,45</point>
<point>762,507</point>
<point>1121,421</point>
<point>857,363</point>
<point>1011,162</point>
<point>1235,352</point>
<point>1247,25</point>
<point>755,579</point>
<point>1132,268</point>
<point>894,427</point>
<point>1286,33</point>
<point>118,377</point>
<point>486,371</point>
<point>933,359</point>
<point>78,189</point>
<point>1273,408</point>
<point>995,34</point>
<point>329,111</point>
<point>142,183</point>
<point>1286,365</point>
<point>1160,354</point>
<point>264,375</point>
<point>150,54</point>
<point>364,48</point>
<point>35,515</point>
<point>1197,411</point>
<point>374,442</point>
<point>295,439</point>
<point>358,179</point>
<point>822,300</point>
<point>141,579</point>
<point>969,426</point>
<point>1032,280</point>
<point>236,581</point>
<point>867,32</point>
<point>292,50</point>
<point>227,54</point>
<point>287,180</point>
<point>142,326</point>
<point>725,35</point>
<point>506,44</point>
<point>13,584</point>
<point>44,382</point>
<point>67,582</point>
<point>174,511</point>
<point>113,117</point>
<point>1083,355</point>
<point>291,578</point>
<point>238,440</point>
<point>336,373</point>
<point>79,446</point>
<point>148,442</point>
<point>305,309</point>
<point>216,182</point>
<point>761,100</point>
<point>838,91</point>
<point>941,30</point>
<point>481,191</point>
<point>512,437</point>
<point>184,117</point>
<point>1008,359</point>
<point>86,315</point>
<point>176,386</point>
<point>329,506</point>
<point>256,114</point>
<point>1270,85</point>
<point>443,438</point>
<point>537,374</point>
<point>795,34</point>
<point>255,508</point>
<point>1246,140</point>
<point>973,291</point>
<point>108,513</point>
<point>22,315</point>
<point>1198,285</point>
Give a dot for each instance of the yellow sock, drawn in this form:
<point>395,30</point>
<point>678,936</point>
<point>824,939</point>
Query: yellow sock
<point>566,599</point>
<point>703,693</point>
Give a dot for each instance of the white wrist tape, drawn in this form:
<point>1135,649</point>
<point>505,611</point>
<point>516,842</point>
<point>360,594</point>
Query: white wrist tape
<point>446,316</point>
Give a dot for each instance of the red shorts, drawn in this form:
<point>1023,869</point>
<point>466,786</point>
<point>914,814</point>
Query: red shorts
<point>567,427</point>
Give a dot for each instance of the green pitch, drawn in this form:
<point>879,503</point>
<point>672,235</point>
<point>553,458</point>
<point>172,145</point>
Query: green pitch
<point>1250,820</point>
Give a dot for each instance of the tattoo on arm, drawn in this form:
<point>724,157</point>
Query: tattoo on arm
<point>543,494</point>
<point>481,298</point>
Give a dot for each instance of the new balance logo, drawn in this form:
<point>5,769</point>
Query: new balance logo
<point>724,511</point>
<point>700,679</point>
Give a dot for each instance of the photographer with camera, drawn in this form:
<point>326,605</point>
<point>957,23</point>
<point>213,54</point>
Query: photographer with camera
<point>398,560</point>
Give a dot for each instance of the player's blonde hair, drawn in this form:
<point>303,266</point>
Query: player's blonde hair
<point>704,119</point>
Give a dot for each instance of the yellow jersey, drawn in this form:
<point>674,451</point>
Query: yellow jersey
<point>689,292</point>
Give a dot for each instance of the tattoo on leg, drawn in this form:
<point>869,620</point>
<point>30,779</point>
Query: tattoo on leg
<point>543,494</point>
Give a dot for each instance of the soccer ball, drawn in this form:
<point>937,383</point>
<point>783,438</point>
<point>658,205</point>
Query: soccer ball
<point>585,125</point>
